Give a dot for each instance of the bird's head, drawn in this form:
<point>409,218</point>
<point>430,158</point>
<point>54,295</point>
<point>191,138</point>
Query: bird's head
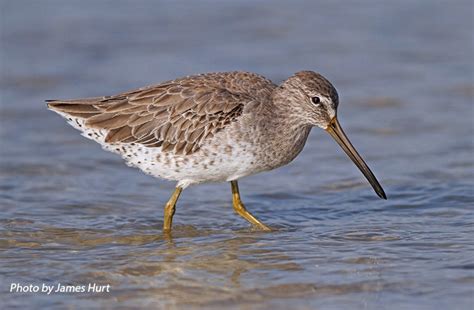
<point>314,101</point>
<point>311,96</point>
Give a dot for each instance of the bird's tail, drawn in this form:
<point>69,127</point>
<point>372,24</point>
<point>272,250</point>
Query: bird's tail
<point>77,112</point>
<point>77,108</point>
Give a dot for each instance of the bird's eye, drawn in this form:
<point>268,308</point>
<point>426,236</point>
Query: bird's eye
<point>316,100</point>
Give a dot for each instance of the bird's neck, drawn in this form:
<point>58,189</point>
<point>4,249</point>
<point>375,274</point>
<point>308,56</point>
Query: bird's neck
<point>284,133</point>
<point>281,113</point>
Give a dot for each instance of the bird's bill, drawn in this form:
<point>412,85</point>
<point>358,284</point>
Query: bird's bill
<point>335,130</point>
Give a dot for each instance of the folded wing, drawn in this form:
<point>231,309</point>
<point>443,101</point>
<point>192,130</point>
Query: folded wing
<point>177,116</point>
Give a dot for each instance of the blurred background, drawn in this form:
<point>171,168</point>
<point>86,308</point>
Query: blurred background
<point>72,213</point>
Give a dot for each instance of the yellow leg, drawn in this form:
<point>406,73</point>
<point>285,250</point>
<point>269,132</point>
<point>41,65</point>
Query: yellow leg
<point>170,208</point>
<point>242,211</point>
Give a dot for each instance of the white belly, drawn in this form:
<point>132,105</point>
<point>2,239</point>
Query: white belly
<point>212,163</point>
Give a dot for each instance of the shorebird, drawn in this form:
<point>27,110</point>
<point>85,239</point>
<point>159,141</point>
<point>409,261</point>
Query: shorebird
<point>213,127</point>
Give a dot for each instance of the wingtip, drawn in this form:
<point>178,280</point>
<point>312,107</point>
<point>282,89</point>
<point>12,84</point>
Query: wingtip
<point>50,103</point>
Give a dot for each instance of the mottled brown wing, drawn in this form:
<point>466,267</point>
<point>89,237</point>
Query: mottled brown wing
<point>177,116</point>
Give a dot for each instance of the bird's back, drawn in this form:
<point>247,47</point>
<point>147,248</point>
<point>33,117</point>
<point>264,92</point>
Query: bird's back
<point>176,115</point>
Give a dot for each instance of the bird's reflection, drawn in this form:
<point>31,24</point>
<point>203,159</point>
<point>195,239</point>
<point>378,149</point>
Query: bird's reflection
<point>188,264</point>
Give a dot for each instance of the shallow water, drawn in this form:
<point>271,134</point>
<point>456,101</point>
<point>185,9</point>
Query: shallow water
<point>74,214</point>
